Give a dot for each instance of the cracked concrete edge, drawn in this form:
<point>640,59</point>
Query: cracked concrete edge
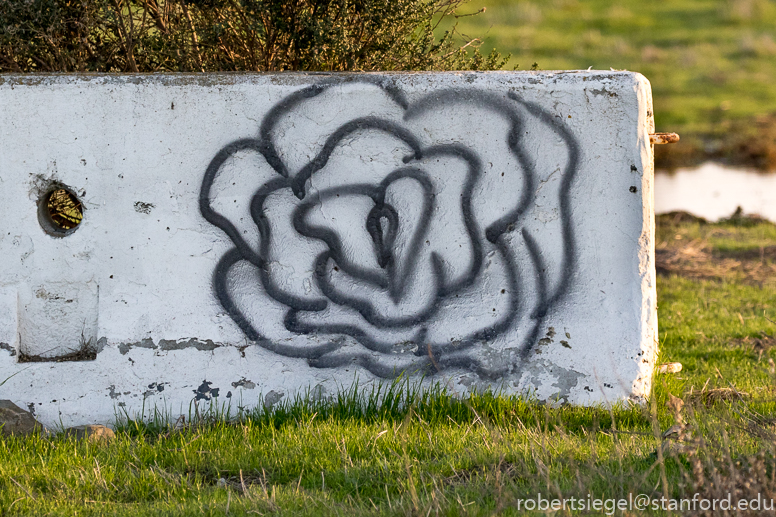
<point>291,78</point>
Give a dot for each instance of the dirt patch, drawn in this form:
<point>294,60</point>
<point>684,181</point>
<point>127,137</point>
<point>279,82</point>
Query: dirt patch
<point>763,343</point>
<point>693,260</point>
<point>78,355</point>
<point>696,262</point>
<point>699,260</point>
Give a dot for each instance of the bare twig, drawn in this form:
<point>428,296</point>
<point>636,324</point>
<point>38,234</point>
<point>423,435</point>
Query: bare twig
<point>25,490</point>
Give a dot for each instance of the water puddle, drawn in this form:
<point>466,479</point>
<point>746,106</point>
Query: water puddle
<point>713,191</point>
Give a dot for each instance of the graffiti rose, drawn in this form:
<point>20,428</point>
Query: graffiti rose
<point>390,232</point>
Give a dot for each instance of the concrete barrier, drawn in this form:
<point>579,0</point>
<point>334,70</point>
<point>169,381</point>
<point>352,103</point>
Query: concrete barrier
<point>242,237</point>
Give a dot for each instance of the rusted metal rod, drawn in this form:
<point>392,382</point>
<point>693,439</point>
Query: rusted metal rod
<point>663,138</point>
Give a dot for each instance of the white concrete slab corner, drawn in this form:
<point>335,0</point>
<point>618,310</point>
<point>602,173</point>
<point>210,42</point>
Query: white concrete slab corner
<point>247,237</point>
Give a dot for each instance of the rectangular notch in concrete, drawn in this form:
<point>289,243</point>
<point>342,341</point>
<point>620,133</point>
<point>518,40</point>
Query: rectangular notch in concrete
<point>58,322</point>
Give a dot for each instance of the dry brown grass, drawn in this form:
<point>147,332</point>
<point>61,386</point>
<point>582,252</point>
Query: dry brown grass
<point>697,260</point>
<point>711,397</point>
<point>715,471</point>
<point>696,257</point>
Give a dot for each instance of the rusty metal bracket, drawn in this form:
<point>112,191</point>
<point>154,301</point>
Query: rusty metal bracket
<point>663,138</point>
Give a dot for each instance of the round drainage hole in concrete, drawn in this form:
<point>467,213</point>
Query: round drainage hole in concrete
<point>61,212</point>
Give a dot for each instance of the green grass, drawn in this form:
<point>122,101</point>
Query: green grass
<point>699,321</point>
<point>710,62</point>
<point>399,451</point>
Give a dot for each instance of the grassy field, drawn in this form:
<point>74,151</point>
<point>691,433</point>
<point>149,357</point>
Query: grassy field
<point>712,63</point>
<point>402,453</point>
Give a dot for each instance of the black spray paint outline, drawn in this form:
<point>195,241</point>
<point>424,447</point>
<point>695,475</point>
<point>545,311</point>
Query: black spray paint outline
<point>432,357</point>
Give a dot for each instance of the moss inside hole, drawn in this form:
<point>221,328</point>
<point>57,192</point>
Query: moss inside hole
<point>60,212</point>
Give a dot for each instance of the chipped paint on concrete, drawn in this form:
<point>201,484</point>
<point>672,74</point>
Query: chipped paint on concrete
<point>244,383</point>
<point>272,398</point>
<point>206,391</point>
<point>170,344</point>
<point>168,300</point>
<point>551,382</point>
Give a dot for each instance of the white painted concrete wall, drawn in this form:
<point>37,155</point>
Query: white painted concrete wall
<point>511,240</point>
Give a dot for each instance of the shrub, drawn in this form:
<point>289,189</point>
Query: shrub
<point>235,35</point>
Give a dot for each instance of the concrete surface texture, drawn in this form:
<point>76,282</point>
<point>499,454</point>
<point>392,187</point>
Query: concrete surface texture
<point>248,236</point>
